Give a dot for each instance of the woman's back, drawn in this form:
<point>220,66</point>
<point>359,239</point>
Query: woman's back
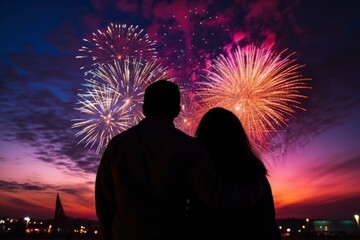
<point>235,161</point>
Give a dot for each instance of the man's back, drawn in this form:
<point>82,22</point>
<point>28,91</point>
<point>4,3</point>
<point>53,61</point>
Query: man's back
<point>151,167</point>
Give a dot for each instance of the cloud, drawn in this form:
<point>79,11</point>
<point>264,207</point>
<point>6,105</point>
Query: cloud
<point>18,186</point>
<point>339,171</point>
<point>340,209</point>
<point>331,61</point>
<point>39,98</point>
<point>21,202</point>
<point>321,184</point>
<point>32,198</point>
<point>15,186</point>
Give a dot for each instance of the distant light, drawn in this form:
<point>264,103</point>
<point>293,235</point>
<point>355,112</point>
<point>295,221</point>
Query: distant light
<point>288,230</point>
<point>27,219</point>
<point>356,216</point>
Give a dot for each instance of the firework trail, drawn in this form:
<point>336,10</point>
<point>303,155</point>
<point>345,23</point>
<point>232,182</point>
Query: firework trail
<point>259,85</point>
<point>116,43</point>
<point>113,99</point>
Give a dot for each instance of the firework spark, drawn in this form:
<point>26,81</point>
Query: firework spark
<point>259,85</point>
<point>188,38</point>
<point>113,99</point>
<point>189,107</point>
<point>116,43</point>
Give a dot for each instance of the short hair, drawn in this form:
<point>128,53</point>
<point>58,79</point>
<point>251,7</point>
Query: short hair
<point>162,98</point>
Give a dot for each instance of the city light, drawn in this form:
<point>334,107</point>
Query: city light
<point>90,229</point>
<point>356,216</point>
<point>307,222</point>
<point>27,219</point>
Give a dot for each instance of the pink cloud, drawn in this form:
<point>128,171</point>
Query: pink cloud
<point>238,36</point>
<point>270,40</point>
<point>261,9</point>
<point>127,6</point>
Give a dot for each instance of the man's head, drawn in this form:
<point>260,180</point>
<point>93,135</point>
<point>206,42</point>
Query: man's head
<point>162,98</point>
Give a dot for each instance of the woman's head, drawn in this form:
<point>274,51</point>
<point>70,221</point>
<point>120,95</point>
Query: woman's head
<point>225,138</point>
<point>221,125</point>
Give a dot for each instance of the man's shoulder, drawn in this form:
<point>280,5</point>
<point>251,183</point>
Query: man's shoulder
<point>122,135</point>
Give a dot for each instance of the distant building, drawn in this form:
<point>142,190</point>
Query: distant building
<point>317,227</point>
<point>338,227</point>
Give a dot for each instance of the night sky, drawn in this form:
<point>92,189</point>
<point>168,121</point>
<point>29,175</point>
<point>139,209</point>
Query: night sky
<point>316,170</point>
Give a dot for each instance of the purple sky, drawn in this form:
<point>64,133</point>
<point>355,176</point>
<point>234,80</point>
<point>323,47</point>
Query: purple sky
<point>318,173</point>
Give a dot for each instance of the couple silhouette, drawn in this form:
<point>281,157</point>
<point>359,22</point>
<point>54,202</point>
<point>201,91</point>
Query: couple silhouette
<point>156,182</point>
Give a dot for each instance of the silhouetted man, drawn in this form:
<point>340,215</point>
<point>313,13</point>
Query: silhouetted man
<point>147,173</point>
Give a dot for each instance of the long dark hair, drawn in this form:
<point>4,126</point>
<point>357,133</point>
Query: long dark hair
<point>225,138</point>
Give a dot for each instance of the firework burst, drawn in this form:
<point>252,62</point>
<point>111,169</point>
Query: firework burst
<point>104,115</point>
<point>130,77</point>
<point>116,43</point>
<point>259,85</point>
<point>113,99</point>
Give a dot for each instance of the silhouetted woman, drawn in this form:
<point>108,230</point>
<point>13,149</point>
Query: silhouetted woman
<point>236,162</point>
